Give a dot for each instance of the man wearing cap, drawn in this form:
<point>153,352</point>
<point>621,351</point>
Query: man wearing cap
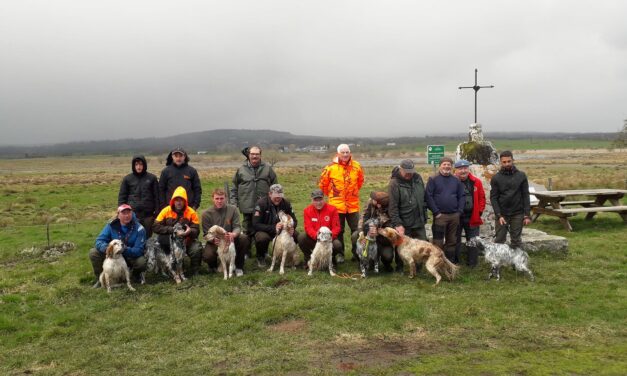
<point>470,219</point>
<point>251,182</point>
<point>341,181</point>
<point>316,215</point>
<point>140,189</point>
<point>407,209</point>
<point>178,173</point>
<point>266,220</point>
<point>227,217</point>
<point>509,195</point>
<point>127,228</point>
<point>446,200</point>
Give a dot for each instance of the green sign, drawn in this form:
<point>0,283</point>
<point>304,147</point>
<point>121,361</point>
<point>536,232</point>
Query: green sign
<point>435,153</point>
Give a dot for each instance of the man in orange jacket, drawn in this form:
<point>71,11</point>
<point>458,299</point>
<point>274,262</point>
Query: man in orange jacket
<point>341,181</point>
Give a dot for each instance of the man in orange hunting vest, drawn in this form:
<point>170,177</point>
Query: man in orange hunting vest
<point>341,181</point>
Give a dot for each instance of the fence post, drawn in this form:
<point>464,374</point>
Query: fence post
<point>550,187</point>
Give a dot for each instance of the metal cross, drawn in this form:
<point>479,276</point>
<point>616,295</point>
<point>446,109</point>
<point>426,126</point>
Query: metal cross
<point>476,89</point>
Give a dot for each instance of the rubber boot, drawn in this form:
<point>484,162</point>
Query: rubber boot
<point>450,254</point>
<point>473,256</point>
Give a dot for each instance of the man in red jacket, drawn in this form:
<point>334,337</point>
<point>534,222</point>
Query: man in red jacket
<point>316,215</point>
<point>470,219</point>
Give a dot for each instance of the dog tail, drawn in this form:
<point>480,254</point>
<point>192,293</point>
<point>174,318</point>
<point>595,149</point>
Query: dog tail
<point>447,268</point>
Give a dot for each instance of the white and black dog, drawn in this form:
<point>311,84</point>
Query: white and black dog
<point>157,261</point>
<point>178,251</point>
<point>499,255</point>
<point>367,249</point>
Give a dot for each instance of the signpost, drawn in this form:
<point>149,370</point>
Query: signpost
<point>434,154</point>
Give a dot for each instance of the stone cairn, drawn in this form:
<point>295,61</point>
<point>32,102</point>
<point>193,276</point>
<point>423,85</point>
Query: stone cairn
<point>485,164</point>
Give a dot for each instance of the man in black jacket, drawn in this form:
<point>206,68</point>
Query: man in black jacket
<point>140,190</point>
<point>509,196</point>
<point>177,173</point>
<point>266,220</point>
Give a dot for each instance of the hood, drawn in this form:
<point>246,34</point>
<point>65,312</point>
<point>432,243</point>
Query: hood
<point>139,158</point>
<point>169,161</point>
<point>179,192</point>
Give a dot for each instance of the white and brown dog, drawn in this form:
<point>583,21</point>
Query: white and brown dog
<point>226,249</point>
<point>414,251</point>
<point>499,255</point>
<point>322,254</point>
<point>284,245</point>
<point>114,268</point>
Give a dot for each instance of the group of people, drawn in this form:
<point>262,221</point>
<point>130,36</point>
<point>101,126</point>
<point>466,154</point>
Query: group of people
<point>456,198</point>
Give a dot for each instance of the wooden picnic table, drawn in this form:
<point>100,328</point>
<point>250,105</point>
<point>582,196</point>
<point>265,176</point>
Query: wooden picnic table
<point>554,203</point>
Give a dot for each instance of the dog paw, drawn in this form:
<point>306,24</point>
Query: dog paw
<point>269,270</point>
<point>281,272</point>
<point>131,288</point>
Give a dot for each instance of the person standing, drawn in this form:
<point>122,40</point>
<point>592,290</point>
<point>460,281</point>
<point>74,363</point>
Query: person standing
<point>510,200</point>
<point>251,182</point>
<point>227,217</point>
<point>178,173</point>
<point>446,200</point>
<point>140,190</point>
<point>341,181</point>
<point>316,215</point>
<point>474,206</point>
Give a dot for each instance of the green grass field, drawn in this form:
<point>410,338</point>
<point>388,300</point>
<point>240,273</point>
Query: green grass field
<point>571,321</point>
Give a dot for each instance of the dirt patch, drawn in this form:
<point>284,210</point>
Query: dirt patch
<point>289,326</point>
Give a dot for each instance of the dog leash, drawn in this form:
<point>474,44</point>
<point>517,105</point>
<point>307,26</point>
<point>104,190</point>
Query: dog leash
<point>353,276</point>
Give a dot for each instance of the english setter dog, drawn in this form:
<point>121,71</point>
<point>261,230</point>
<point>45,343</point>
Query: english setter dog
<point>157,261</point>
<point>414,251</point>
<point>114,268</point>
<point>284,245</point>
<point>367,250</point>
<point>499,255</point>
<point>322,254</point>
<point>178,251</point>
<point>226,249</point>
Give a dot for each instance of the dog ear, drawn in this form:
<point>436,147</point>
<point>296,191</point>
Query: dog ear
<point>109,251</point>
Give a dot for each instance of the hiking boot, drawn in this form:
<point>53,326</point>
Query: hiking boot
<point>261,263</point>
<point>339,258</point>
<point>239,272</point>
<point>211,270</point>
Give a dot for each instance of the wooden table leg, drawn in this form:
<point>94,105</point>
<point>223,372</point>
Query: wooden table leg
<point>566,224</point>
<point>599,201</point>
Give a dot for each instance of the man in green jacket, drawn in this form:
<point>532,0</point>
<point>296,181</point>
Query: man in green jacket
<point>407,208</point>
<point>227,217</point>
<point>251,182</point>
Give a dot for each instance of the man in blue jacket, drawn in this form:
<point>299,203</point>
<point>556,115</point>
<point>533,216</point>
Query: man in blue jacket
<point>127,228</point>
<point>446,199</point>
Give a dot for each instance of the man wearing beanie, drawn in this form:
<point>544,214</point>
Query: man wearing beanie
<point>446,199</point>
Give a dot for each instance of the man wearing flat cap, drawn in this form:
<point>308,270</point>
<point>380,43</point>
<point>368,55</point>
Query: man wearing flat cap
<point>474,206</point>
<point>319,213</point>
<point>446,199</point>
<point>126,228</point>
<point>178,173</point>
<point>266,220</point>
<point>407,208</point>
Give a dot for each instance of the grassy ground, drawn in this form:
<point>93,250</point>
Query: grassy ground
<point>570,321</point>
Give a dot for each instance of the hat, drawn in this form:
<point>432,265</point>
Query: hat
<point>178,149</point>
<point>276,190</point>
<point>123,207</point>
<point>381,197</point>
<point>462,163</point>
<point>407,165</point>
<point>317,193</point>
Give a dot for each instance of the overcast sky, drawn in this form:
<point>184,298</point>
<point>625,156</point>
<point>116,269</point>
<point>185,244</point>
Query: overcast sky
<point>92,70</point>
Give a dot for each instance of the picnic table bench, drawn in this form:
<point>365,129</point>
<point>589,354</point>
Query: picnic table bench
<point>553,203</point>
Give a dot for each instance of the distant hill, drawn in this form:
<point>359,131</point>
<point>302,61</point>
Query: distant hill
<point>230,140</point>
